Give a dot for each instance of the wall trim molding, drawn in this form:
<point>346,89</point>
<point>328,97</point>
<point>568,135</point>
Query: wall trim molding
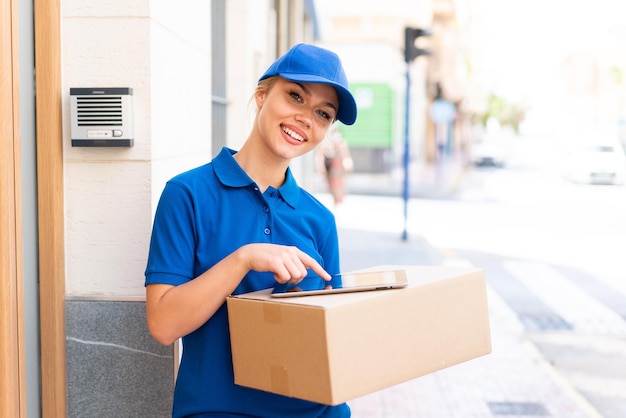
<point>50,207</point>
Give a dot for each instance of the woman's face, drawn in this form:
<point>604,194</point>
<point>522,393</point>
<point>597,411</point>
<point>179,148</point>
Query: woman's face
<point>293,117</point>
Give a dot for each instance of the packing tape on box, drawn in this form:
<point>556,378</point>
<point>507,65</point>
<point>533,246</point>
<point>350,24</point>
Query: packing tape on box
<point>272,313</point>
<point>279,380</point>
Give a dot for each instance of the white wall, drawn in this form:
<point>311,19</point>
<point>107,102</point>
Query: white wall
<point>161,50</point>
<point>180,84</point>
<point>249,28</point>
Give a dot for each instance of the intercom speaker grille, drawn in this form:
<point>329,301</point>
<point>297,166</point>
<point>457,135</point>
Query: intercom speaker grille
<point>99,111</point>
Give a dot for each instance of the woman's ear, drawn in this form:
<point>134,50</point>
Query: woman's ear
<point>259,96</point>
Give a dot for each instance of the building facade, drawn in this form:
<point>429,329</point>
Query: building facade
<point>370,37</point>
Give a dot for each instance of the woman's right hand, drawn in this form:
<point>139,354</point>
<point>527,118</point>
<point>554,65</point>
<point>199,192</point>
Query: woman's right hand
<point>288,263</point>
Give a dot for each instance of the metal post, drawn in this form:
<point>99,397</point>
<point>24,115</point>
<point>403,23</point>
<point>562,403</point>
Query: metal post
<point>405,189</point>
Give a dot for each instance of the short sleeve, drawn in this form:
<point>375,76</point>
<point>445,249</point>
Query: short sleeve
<point>173,242</point>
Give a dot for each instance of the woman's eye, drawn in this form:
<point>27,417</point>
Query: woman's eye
<point>296,96</point>
<point>324,115</point>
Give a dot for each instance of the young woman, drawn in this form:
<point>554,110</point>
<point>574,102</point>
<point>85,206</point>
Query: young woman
<point>241,223</point>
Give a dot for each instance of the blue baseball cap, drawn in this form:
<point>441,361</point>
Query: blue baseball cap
<point>307,63</point>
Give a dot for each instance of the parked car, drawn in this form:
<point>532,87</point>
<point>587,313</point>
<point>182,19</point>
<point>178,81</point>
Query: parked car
<point>492,145</point>
<point>596,161</point>
<point>489,151</point>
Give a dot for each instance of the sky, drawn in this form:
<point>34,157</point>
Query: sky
<point>524,44</point>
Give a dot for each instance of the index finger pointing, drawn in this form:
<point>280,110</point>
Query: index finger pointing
<point>309,262</point>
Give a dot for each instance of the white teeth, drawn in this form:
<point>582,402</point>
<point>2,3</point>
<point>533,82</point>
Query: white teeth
<point>293,134</point>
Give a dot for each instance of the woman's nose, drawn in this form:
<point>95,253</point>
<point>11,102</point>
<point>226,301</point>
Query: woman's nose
<point>305,116</point>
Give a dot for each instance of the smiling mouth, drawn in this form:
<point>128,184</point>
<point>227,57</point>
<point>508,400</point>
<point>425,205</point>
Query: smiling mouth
<point>292,134</point>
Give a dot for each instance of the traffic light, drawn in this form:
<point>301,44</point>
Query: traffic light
<point>410,50</point>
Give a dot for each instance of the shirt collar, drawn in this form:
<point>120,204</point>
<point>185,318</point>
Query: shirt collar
<point>230,174</point>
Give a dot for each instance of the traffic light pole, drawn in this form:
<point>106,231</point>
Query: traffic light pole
<point>406,159</point>
<point>411,51</point>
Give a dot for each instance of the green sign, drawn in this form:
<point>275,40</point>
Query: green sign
<point>374,124</point>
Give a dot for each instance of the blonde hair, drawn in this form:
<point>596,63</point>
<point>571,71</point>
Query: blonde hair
<point>264,86</point>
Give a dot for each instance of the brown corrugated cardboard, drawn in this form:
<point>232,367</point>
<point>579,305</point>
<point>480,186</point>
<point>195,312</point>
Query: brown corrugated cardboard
<point>334,348</point>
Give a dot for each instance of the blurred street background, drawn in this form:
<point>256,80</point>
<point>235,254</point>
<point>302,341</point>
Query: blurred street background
<point>557,289</point>
<point>525,178</point>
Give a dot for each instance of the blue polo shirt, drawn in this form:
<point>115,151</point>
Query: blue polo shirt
<point>203,215</point>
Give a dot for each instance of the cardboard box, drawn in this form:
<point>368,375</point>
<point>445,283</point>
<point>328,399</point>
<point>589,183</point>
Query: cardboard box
<point>334,348</point>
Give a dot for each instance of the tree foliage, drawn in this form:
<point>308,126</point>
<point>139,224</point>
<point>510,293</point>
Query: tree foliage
<point>506,112</point>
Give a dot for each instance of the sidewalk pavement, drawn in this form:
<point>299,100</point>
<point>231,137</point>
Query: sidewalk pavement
<point>513,381</point>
